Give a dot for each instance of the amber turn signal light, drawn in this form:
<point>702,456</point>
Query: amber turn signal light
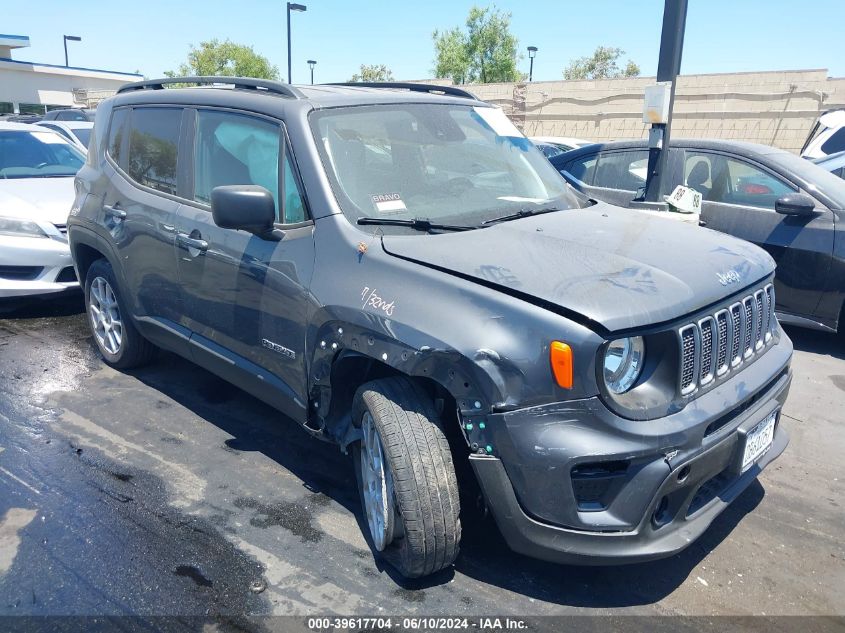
<point>560,355</point>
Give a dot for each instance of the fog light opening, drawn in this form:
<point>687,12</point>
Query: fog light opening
<point>661,514</point>
<point>683,474</point>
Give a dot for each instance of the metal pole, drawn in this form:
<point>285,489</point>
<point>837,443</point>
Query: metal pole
<point>289,72</point>
<point>64,37</point>
<point>531,71</point>
<point>668,67</point>
<point>312,75</point>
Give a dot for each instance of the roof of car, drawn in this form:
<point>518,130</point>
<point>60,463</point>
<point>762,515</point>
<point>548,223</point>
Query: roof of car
<point>71,125</point>
<point>318,96</point>
<point>11,125</point>
<point>694,143</point>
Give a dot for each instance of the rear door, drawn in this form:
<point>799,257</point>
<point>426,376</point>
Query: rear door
<point>614,176</point>
<point>739,198</point>
<point>139,207</point>
<point>246,297</point>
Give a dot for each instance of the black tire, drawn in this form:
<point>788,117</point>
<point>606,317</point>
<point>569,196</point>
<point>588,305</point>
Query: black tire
<point>427,522</point>
<point>134,350</point>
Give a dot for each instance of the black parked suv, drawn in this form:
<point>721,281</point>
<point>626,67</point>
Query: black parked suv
<point>404,274</point>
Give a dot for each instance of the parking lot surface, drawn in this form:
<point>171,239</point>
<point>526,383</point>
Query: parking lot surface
<point>165,490</point>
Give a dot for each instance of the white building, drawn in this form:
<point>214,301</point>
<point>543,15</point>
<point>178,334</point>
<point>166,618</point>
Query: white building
<point>33,88</point>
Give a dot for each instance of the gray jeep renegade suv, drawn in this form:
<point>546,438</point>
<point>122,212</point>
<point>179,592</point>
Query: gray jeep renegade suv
<point>399,270</point>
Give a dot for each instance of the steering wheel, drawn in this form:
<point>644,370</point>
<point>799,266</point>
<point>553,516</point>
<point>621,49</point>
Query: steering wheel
<point>458,186</point>
<point>41,165</point>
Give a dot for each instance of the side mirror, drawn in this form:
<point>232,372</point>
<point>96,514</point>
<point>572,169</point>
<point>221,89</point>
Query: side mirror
<point>245,207</point>
<point>799,204</point>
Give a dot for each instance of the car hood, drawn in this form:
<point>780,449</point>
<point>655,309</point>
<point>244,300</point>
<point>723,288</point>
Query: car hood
<point>42,199</point>
<point>616,268</point>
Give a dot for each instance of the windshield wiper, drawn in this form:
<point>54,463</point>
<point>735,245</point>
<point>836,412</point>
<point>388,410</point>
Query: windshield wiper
<point>522,213</point>
<point>418,224</point>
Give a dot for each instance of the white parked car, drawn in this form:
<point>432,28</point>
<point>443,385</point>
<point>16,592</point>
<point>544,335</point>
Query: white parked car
<point>835,163</point>
<point>553,146</point>
<point>77,132</point>
<point>37,167</point>
<point>827,136</point>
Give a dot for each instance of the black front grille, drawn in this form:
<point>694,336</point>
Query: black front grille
<point>66,275</point>
<point>722,356</point>
<point>706,373</point>
<point>20,273</point>
<point>736,342</point>
<point>745,328</point>
<point>687,359</point>
<point>749,325</point>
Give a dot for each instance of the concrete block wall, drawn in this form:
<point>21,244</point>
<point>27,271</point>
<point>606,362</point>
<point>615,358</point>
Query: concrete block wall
<point>774,108</point>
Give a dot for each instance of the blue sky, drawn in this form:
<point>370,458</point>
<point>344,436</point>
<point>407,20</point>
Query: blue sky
<point>154,35</point>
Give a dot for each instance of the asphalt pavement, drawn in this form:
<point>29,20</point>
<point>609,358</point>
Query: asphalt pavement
<point>166,491</point>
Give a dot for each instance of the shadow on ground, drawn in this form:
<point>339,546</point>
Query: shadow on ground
<point>484,557</point>
<point>817,342</point>
<point>59,305</point>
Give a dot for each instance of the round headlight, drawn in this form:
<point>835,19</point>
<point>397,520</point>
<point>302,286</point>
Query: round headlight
<point>623,363</point>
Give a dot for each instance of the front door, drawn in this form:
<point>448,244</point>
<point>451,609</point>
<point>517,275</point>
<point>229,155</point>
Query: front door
<point>739,198</point>
<point>247,297</point>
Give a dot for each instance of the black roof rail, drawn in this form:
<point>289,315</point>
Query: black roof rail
<point>263,85</point>
<point>413,87</point>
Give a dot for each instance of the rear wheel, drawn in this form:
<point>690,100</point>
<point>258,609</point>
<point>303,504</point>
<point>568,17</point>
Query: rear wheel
<point>119,342</point>
<point>406,478</point>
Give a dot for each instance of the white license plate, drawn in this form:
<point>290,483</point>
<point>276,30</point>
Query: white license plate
<point>759,440</point>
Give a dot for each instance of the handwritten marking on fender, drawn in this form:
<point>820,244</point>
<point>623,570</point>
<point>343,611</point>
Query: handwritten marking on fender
<point>371,299</point>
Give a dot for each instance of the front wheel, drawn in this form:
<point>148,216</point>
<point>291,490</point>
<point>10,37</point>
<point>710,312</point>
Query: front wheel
<point>406,477</point>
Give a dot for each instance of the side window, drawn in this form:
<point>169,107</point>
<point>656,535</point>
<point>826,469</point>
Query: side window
<point>234,149</point>
<point>622,170</point>
<point>153,141</point>
<point>702,171</point>
<point>582,168</point>
<point>720,178</point>
<point>117,130</point>
<point>836,142</point>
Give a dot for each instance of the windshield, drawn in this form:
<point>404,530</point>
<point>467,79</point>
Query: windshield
<point>817,178</point>
<point>45,154</point>
<point>446,163</point>
<point>83,134</point>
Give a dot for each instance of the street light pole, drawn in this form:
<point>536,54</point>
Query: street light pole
<point>668,67</point>
<point>312,63</point>
<point>292,7</point>
<point>532,52</point>
<point>72,38</point>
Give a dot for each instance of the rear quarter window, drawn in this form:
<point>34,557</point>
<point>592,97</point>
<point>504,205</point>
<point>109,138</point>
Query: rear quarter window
<point>117,131</point>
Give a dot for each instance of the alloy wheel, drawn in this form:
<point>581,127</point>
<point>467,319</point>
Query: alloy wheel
<point>105,316</point>
<point>377,485</point>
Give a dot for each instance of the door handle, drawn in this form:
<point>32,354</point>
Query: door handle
<point>115,211</point>
<point>186,241</point>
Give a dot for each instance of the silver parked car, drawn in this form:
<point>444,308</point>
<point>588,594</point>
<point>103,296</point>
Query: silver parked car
<point>37,167</point>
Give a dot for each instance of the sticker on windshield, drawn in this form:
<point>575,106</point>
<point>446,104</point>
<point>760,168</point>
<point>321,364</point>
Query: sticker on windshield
<point>498,121</point>
<point>388,202</point>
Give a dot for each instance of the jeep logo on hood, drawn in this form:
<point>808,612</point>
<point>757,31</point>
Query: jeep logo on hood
<point>730,277</point>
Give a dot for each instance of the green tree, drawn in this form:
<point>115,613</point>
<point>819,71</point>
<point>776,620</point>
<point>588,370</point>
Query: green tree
<point>373,72</point>
<point>485,52</point>
<point>602,64</point>
<point>227,59</point>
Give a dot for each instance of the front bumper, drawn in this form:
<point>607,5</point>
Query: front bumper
<point>35,266</point>
<point>679,472</point>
